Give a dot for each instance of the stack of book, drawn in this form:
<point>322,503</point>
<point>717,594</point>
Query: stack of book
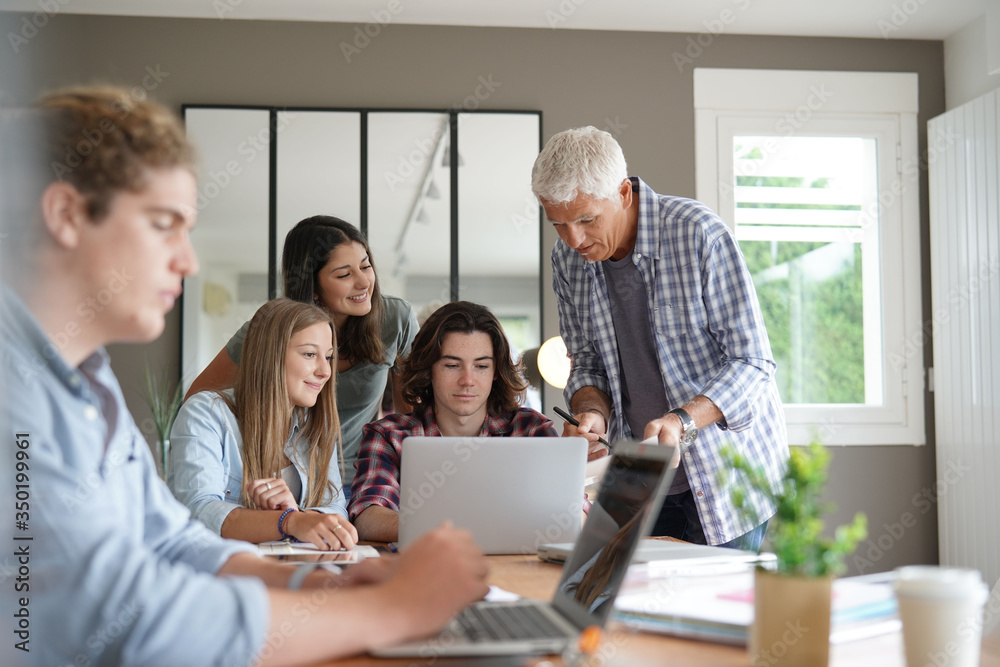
<point>714,605</point>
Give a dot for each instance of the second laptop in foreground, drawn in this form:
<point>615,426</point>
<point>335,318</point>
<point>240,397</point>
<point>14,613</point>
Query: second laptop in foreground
<point>629,501</point>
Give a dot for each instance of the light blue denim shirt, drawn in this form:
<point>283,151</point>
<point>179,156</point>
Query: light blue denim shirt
<point>118,573</point>
<point>206,465</point>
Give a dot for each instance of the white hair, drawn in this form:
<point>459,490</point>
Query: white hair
<point>581,161</point>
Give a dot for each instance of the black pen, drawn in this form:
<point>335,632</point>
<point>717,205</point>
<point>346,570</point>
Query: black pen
<point>570,419</point>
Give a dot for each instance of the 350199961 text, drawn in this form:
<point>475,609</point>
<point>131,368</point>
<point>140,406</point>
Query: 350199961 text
<point>22,540</point>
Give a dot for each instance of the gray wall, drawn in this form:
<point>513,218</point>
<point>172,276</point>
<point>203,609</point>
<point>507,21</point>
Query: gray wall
<point>627,83</point>
<point>967,63</point>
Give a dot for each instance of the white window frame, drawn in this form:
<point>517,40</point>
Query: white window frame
<point>732,102</point>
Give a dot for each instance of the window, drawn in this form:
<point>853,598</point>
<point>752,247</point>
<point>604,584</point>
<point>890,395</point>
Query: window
<point>810,176</point>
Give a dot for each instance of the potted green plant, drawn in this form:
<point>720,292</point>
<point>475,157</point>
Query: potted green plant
<point>792,603</point>
<point>164,399</point>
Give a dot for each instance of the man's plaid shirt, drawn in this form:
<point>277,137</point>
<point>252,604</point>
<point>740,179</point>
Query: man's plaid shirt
<point>710,340</point>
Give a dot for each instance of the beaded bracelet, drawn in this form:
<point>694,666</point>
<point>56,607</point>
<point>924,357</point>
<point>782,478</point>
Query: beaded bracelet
<point>281,521</point>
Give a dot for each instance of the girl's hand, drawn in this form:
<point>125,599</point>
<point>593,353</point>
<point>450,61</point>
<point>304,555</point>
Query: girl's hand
<point>328,532</point>
<point>271,493</point>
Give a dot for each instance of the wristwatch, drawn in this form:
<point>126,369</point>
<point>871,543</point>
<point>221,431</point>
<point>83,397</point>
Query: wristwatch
<point>689,431</point>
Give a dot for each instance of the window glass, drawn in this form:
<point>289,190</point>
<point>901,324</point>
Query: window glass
<point>801,209</point>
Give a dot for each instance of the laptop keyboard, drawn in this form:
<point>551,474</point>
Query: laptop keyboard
<point>507,622</point>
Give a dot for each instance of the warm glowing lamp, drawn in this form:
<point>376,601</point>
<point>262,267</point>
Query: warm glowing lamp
<point>553,362</point>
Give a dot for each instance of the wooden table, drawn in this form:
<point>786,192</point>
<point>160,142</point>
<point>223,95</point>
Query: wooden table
<point>530,577</point>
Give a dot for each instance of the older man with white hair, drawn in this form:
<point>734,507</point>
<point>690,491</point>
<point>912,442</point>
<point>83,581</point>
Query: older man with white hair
<point>662,323</point>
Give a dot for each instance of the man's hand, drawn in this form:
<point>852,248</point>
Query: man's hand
<point>592,408</point>
<point>439,574</point>
<point>591,427</point>
<point>371,571</point>
<point>667,431</point>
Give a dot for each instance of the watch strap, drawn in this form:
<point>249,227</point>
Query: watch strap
<point>299,576</point>
<point>687,423</point>
<point>302,571</point>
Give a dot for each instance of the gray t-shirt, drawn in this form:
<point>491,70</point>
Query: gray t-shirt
<point>643,396</point>
<point>360,387</point>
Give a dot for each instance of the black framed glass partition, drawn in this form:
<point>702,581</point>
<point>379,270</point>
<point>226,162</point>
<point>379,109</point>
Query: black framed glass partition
<point>443,196</point>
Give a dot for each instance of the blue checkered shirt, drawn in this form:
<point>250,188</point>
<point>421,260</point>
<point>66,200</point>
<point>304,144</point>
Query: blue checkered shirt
<point>710,340</point>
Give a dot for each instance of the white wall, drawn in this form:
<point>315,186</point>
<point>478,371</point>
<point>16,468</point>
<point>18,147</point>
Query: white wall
<point>969,56</point>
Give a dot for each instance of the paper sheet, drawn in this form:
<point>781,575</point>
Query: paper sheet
<point>281,547</point>
<point>498,594</point>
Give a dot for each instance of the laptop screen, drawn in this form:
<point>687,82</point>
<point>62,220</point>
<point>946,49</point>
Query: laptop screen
<point>631,494</point>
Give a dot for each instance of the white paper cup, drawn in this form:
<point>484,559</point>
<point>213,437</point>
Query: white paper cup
<point>942,613</point>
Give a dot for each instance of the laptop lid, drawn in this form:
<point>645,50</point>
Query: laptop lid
<point>632,491</point>
<point>512,494</point>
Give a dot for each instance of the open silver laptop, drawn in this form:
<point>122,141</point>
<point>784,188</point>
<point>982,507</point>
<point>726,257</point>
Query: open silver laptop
<point>510,493</point>
<point>629,501</point>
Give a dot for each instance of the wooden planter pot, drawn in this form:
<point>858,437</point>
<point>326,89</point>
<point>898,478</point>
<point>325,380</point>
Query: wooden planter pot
<point>791,626</point>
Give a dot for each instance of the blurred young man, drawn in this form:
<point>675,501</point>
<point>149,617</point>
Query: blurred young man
<point>96,247</point>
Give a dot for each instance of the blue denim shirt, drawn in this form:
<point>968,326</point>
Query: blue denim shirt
<point>119,573</point>
<point>206,465</point>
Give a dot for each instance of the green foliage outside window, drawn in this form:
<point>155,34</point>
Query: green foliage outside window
<point>827,364</point>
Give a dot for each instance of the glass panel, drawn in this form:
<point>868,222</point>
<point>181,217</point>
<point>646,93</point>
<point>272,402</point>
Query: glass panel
<point>232,231</point>
<point>807,222</point>
<point>498,233</point>
<point>319,169</point>
<point>409,205</point>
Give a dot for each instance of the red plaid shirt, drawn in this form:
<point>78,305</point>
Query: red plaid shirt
<point>377,478</point>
